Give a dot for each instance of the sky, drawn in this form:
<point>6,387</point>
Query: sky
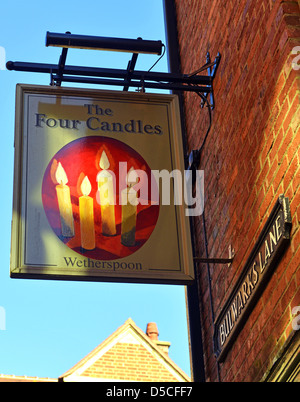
<point>48,326</point>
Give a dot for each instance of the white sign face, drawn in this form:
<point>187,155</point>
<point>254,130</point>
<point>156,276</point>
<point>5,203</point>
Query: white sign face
<point>98,191</point>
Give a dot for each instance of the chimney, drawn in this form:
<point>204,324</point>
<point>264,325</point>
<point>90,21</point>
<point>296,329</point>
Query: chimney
<point>152,333</point>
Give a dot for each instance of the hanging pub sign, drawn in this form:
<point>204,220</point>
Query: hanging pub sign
<point>93,188</point>
<point>261,263</point>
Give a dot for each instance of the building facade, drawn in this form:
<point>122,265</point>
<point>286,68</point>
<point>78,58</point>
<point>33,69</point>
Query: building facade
<point>250,159</point>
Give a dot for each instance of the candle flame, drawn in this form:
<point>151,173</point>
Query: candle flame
<point>86,186</point>
<point>104,162</point>
<point>60,175</point>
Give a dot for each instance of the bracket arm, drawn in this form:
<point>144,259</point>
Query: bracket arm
<point>214,260</point>
<point>61,66</point>
<point>130,69</point>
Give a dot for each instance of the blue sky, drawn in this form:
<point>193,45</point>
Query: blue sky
<point>51,325</point>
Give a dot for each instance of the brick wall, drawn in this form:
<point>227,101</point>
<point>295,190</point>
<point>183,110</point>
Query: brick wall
<point>250,157</point>
<point>129,362</point>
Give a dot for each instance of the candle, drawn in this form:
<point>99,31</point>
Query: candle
<point>86,213</point>
<point>129,208</point>
<point>106,197</point>
<point>64,202</point>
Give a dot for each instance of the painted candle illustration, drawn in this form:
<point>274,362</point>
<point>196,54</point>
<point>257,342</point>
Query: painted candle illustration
<point>86,213</point>
<point>106,197</point>
<point>89,198</point>
<point>129,210</point>
<point>64,202</point>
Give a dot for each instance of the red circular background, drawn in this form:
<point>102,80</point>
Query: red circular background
<point>81,158</point>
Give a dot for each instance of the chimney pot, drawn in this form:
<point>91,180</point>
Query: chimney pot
<point>152,331</point>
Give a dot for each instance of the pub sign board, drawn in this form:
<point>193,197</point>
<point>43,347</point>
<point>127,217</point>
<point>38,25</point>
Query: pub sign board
<point>88,190</point>
<point>261,263</point>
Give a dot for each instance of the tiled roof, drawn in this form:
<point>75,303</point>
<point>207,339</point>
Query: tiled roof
<point>16,378</point>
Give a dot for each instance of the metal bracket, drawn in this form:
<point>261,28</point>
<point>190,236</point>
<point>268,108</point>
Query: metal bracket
<point>211,68</point>
<point>213,260</point>
<point>130,69</point>
<point>61,65</point>
<point>56,80</point>
<point>200,84</point>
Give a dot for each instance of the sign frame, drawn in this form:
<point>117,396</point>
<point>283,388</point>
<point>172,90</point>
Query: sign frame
<point>264,257</point>
<point>20,267</point>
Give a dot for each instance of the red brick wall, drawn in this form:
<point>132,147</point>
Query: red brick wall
<point>250,157</point>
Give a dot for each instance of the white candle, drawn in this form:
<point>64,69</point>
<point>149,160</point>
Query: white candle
<point>129,210</point>
<point>86,213</point>
<point>64,202</point>
<point>106,196</point>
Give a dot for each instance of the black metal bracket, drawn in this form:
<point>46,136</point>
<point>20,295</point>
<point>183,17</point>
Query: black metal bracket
<point>61,65</point>
<point>200,84</point>
<point>214,260</point>
<point>211,68</point>
<point>117,77</point>
<point>130,69</point>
